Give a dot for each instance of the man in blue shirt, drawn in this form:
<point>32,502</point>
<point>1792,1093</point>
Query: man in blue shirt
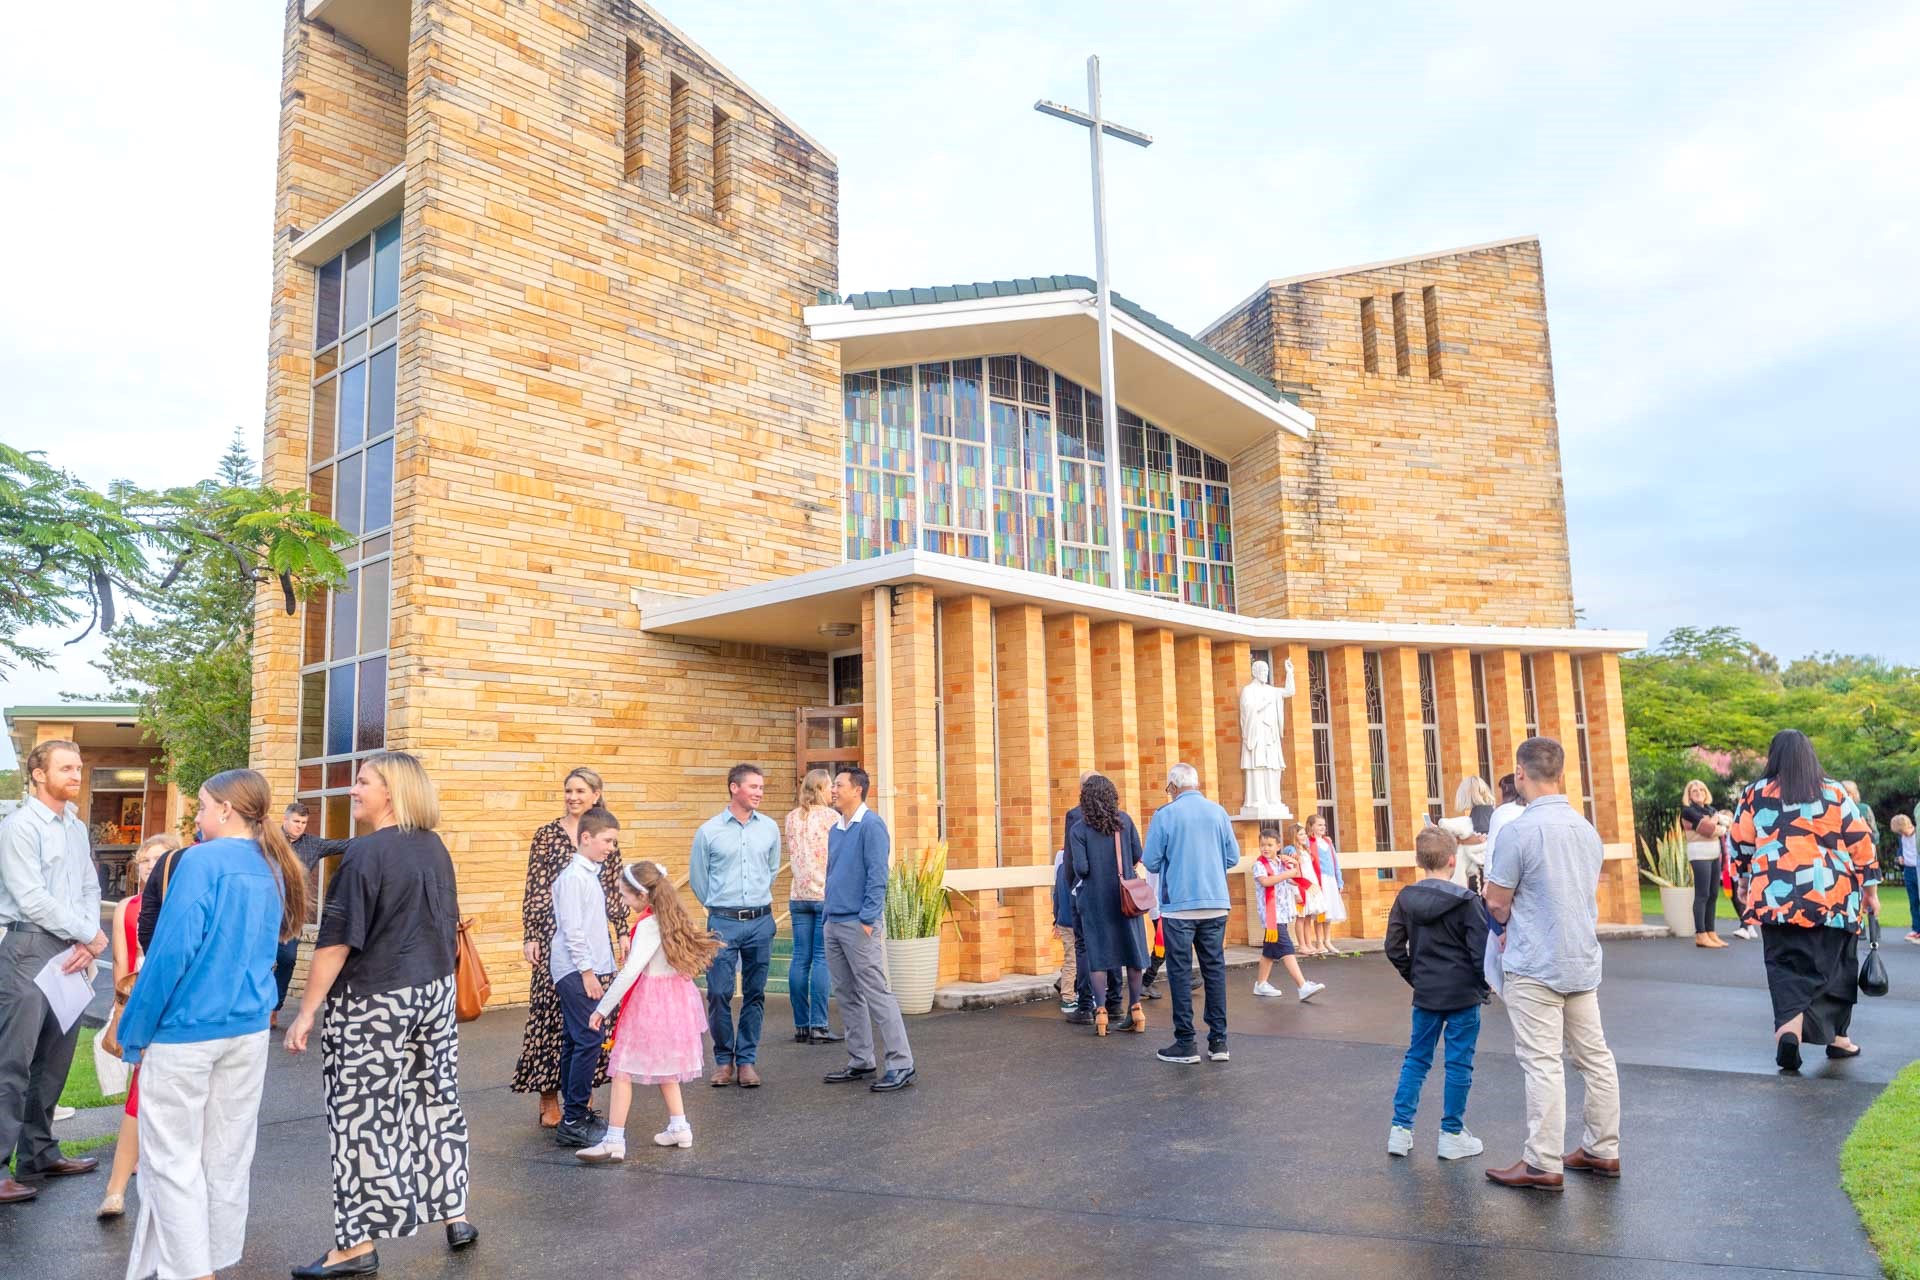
<point>1191,846</point>
<point>735,855</point>
<point>857,850</point>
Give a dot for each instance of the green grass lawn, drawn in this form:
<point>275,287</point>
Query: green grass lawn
<point>1880,1169</point>
<point>1894,917</point>
<point>83,1085</point>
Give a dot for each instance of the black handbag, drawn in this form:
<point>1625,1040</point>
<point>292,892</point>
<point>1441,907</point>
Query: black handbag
<point>1873,970</point>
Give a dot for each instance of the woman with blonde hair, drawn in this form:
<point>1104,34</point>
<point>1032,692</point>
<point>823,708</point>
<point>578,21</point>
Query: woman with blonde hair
<point>389,1046</point>
<point>1473,803</point>
<point>1702,830</point>
<point>538,1070</point>
<point>806,831</point>
<point>126,962</point>
<point>196,1025</point>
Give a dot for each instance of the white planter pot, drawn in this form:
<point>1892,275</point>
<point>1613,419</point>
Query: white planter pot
<point>1677,906</point>
<point>913,969</point>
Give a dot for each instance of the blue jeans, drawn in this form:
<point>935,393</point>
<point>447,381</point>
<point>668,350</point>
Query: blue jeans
<point>807,984</point>
<point>283,962</point>
<point>1207,938</point>
<point>1912,876</point>
<point>748,952</point>
<point>1462,1028</point>
<point>579,1047</point>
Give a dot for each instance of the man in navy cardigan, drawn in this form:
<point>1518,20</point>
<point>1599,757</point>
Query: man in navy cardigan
<point>855,934</point>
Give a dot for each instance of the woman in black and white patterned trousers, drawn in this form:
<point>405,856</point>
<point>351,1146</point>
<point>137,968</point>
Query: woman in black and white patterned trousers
<point>382,983</point>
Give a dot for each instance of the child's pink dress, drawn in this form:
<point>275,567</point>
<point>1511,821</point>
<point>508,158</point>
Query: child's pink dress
<point>662,1015</point>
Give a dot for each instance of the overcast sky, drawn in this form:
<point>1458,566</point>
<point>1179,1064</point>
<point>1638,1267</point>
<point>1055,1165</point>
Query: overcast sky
<point>1726,200</point>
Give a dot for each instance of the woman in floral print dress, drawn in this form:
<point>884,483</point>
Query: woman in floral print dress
<point>553,848</point>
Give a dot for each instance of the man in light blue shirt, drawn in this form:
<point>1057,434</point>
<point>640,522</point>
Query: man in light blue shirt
<point>1191,847</point>
<point>735,856</point>
<point>49,906</point>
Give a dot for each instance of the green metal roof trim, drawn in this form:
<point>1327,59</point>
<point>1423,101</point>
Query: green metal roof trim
<point>1053,284</point>
<point>77,710</point>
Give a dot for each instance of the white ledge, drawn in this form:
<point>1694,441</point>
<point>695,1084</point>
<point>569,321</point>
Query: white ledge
<point>354,219</point>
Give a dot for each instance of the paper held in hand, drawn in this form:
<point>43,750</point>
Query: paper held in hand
<point>68,993</point>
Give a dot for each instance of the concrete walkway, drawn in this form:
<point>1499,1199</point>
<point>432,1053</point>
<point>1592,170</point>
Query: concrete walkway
<point>1029,1147</point>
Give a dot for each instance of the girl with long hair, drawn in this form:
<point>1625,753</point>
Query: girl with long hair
<point>662,1014</point>
<point>196,1025</point>
<point>1103,847</point>
<point>806,843</point>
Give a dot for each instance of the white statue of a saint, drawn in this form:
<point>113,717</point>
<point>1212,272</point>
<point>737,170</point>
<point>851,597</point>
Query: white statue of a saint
<point>1263,718</point>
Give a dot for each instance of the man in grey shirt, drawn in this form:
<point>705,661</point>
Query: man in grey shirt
<point>1543,880</point>
<point>49,907</point>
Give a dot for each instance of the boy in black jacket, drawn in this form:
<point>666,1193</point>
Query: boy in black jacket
<point>1437,939</point>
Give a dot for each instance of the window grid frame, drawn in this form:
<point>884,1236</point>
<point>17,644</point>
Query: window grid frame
<point>1320,722</point>
<point>1580,736</point>
<point>1378,758</point>
<point>1430,737</point>
<point>1482,724</point>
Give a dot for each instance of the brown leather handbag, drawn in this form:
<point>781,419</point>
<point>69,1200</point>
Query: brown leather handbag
<point>1136,893</point>
<point>471,988</point>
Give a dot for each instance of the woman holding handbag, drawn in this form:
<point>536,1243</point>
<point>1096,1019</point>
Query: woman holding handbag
<point>1104,849</point>
<point>126,962</point>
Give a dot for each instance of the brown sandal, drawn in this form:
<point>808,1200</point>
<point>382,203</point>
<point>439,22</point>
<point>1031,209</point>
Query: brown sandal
<point>1136,1019</point>
<point>1100,1022</point>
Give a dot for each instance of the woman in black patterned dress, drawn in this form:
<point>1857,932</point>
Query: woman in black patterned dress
<point>553,847</point>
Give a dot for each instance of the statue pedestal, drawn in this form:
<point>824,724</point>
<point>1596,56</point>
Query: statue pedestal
<point>1277,812</point>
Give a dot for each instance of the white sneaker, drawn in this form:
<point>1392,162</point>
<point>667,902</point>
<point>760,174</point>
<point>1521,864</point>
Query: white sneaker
<point>1400,1141</point>
<point>603,1152</point>
<point>62,1113</point>
<point>1309,991</point>
<point>1458,1146</point>
<point>674,1136</point>
<point>1265,989</point>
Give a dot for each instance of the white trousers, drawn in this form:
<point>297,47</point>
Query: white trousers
<point>199,1116</point>
<point>1546,1023</point>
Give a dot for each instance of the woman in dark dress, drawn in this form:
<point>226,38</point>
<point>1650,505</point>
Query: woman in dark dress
<point>553,847</point>
<point>1097,846</point>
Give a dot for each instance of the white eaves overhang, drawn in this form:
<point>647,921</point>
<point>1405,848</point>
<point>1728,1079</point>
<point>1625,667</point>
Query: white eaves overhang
<point>820,611</point>
<point>1159,378</point>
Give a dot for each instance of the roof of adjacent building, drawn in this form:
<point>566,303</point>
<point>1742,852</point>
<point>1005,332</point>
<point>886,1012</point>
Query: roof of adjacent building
<point>876,299</point>
<point>76,711</point>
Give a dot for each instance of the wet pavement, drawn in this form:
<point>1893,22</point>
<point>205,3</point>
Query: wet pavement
<point>1030,1147</point>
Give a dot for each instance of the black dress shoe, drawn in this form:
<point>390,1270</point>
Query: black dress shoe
<point>1080,1018</point>
<point>1833,1052</point>
<point>846,1075</point>
<point>824,1035</point>
<point>461,1234</point>
<point>364,1265</point>
<point>802,1036</point>
<point>892,1080</point>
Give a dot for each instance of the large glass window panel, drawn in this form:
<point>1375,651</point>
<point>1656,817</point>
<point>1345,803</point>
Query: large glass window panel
<point>346,494</point>
<point>969,401</point>
<point>353,408</point>
<point>1036,452</point>
<point>338,818</point>
<point>325,406</point>
<point>386,268</point>
<point>896,419</point>
<point>1009,529</point>
<point>1039,533</point>
<point>340,710</point>
<point>313,626</point>
<point>320,487</point>
<point>370,723</point>
<point>326,317</point>
<point>860,397</point>
<point>313,713</point>
<point>346,617</point>
<point>380,376</point>
<point>358,288</point>
<point>379,487</point>
<point>373,605</point>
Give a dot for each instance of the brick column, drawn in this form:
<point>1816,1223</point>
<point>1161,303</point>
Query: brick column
<point>1020,670</point>
<point>1406,748</point>
<point>1298,786</point>
<point>916,758</point>
<point>1156,707</point>
<point>1352,759</point>
<point>1453,696</point>
<point>1069,712</point>
<point>1553,694</point>
<point>1232,669</point>
<point>1506,709</point>
<point>1116,727</point>
<point>966,691</point>
<point>1193,678</point>
<point>1607,744</point>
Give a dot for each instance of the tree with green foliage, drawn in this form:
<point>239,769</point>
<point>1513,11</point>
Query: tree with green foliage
<point>12,786</point>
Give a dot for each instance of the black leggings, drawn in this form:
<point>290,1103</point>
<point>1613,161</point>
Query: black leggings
<point>1706,893</point>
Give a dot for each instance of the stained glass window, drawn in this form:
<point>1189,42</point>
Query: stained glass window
<point>1146,508</point>
<point>1377,752</point>
<point>1206,530</point>
<point>1320,717</point>
<point>1083,485</point>
<point>1430,737</point>
<point>953,459</point>
<point>879,461</point>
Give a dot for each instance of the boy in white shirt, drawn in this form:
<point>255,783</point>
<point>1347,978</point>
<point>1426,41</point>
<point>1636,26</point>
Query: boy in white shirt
<point>580,960</point>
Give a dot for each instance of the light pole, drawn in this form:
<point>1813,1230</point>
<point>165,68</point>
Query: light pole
<point>1096,125</point>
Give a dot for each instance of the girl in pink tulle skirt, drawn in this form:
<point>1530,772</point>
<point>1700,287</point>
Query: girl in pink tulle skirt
<point>662,1015</point>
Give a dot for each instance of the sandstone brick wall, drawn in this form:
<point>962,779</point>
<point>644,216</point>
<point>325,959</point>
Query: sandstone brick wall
<point>1430,490</point>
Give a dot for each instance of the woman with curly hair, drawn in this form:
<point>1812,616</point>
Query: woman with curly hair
<point>1103,847</point>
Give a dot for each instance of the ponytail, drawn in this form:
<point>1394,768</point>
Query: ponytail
<point>251,798</point>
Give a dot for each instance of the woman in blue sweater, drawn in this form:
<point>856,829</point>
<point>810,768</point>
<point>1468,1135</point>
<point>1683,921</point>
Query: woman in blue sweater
<point>196,1024</point>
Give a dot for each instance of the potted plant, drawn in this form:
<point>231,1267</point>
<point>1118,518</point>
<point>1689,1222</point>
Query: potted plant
<point>1664,863</point>
<point>916,907</point>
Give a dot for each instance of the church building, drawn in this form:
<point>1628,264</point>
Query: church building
<point>557,330</point>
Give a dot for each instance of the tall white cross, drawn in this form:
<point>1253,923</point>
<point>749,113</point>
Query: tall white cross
<point>1096,125</point>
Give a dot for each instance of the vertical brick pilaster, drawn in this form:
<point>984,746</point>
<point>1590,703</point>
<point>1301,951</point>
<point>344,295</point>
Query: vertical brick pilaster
<point>1298,789</point>
<point>1506,708</point>
<point>1193,679</point>
<point>966,693</point>
<point>916,761</point>
<point>1406,748</point>
<point>1116,726</point>
<point>1352,759</point>
<point>1156,707</point>
<point>1607,744</point>
<point>1453,695</point>
<point>1069,711</point>
<point>1553,692</point>
<point>1232,669</point>
<point>1026,839</point>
